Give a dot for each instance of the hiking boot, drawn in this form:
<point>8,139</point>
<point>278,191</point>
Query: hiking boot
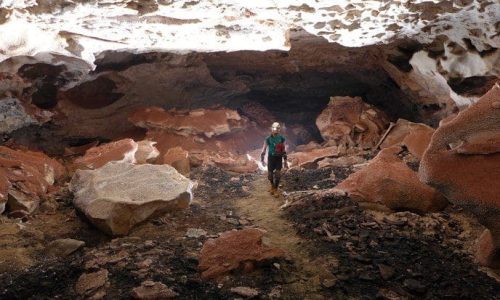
<point>276,193</point>
<point>272,190</point>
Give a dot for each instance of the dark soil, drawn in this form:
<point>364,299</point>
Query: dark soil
<point>49,280</point>
<point>424,253</point>
<point>308,179</point>
<point>215,183</point>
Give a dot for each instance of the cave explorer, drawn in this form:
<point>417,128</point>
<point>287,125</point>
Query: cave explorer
<point>276,154</point>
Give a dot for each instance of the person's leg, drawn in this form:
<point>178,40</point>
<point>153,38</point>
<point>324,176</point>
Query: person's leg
<point>270,170</point>
<point>277,172</point>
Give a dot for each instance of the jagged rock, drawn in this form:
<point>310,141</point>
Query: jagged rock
<point>233,250</point>
<point>349,121</point>
<point>463,161</point>
<point>96,157</point>
<point>151,290</point>
<point>387,180</point>
<point>92,284</point>
<point>206,122</point>
<point>119,195</point>
<point>25,177</point>
<point>146,152</point>
<point>179,159</point>
<point>415,136</point>
<point>64,247</point>
<point>310,158</point>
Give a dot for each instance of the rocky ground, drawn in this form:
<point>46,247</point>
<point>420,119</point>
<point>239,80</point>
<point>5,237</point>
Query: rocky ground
<point>337,250</point>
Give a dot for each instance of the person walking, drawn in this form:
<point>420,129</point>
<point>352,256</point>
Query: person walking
<point>276,157</point>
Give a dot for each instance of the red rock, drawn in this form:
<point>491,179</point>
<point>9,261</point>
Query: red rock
<point>25,177</point>
<point>310,158</point>
<point>207,122</point>
<point>179,159</point>
<point>388,181</point>
<point>488,254</point>
<point>232,163</point>
<point>463,161</point>
<point>96,157</point>
<point>415,136</point>
<point>233,250</point>
<point>349,121</point>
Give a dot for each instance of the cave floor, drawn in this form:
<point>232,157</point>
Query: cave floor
<point>358,255</point>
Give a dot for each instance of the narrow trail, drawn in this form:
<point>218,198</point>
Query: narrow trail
<point>264,210</point>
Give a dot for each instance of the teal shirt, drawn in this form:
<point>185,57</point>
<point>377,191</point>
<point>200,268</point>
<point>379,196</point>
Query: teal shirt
<point>272,141</point>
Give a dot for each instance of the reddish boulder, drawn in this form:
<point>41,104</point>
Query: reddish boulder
<point>309,159</point>
<point>415,136</point>
<point>463,161</point>
<point>234,250</point>
<point>387,180</point>
<point>179,159</point>
<point>96,157</point>
<point>351,122</point>
<point>25,177</point>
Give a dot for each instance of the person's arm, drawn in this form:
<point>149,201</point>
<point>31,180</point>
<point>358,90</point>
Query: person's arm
<point>263,153</point>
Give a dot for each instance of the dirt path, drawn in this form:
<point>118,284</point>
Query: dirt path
<point>264,210</point>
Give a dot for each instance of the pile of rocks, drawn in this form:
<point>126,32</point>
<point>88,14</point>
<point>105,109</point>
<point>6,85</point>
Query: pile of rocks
<point>389,255</point>
<point>218,136</point>
<point>351,122</point>
<point>25,179</point>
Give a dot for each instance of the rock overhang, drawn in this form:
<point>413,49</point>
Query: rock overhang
<point>84,29</point>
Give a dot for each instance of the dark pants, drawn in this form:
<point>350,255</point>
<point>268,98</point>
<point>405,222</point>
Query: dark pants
<point>274,166</point>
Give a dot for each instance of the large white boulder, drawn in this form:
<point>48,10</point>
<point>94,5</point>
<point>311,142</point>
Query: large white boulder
<point>120,195</point>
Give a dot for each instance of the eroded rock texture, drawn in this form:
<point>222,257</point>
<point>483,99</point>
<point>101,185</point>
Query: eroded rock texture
<point>463,161</point>
<point>87,65</point>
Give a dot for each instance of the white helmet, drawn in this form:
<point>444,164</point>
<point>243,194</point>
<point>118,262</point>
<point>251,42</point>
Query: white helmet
<point>276,127</point>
